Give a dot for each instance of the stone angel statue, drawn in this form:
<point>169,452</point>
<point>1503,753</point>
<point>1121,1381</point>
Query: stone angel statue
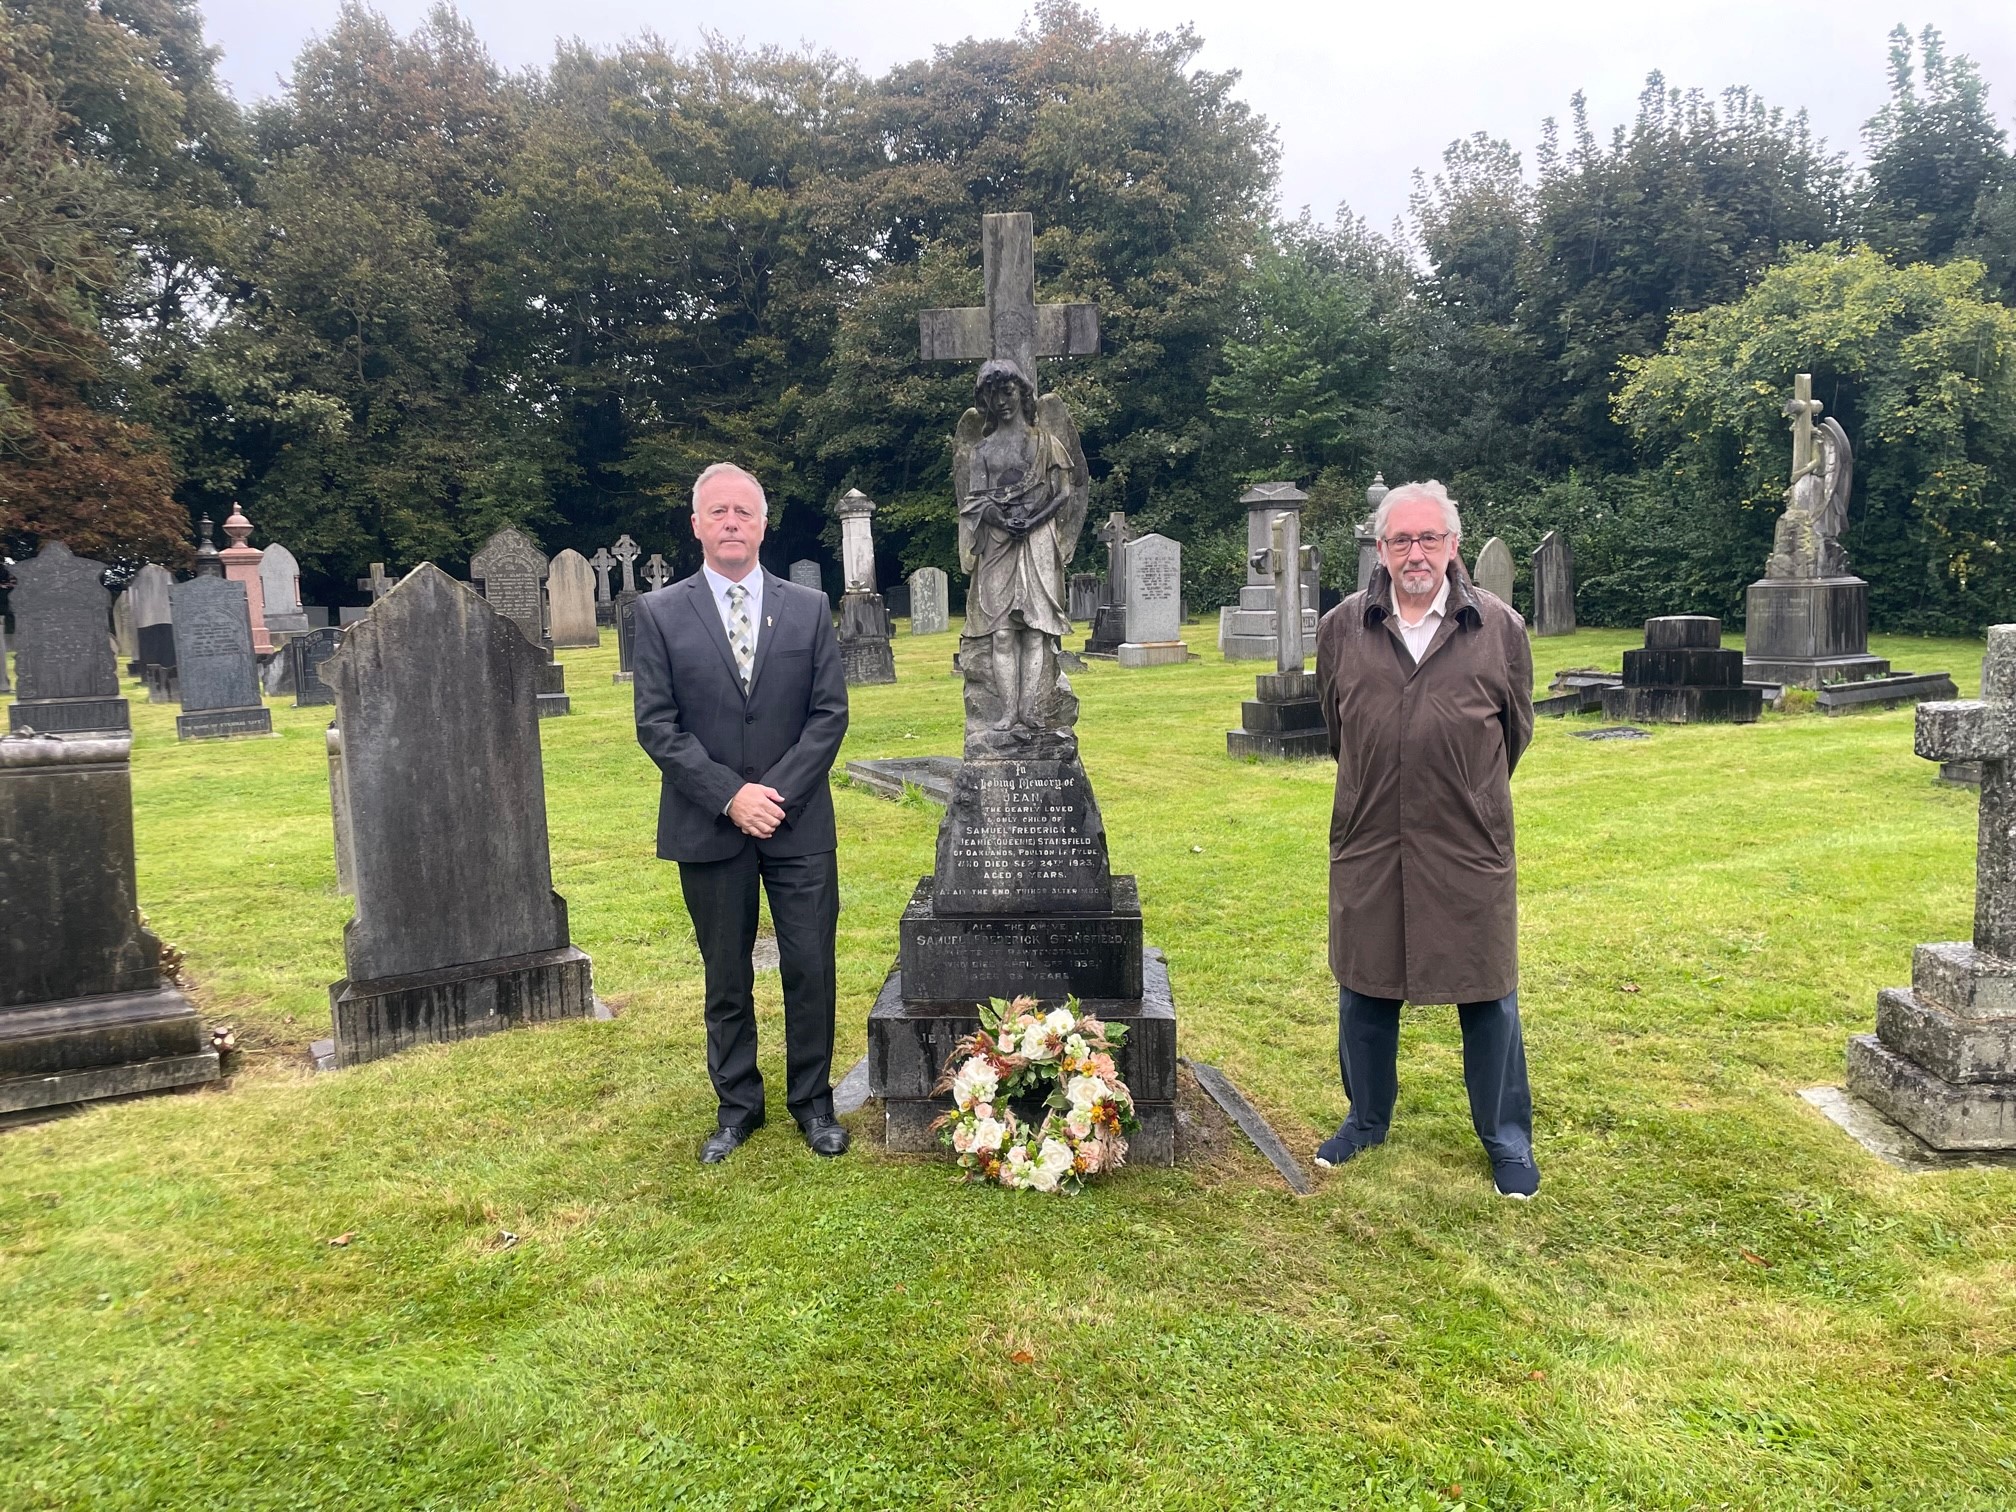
<point>1022,485</point>
<point>1807,543</point>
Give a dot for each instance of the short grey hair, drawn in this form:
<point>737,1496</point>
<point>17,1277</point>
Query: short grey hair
<point>719,469</point>
<point>1413,493</point>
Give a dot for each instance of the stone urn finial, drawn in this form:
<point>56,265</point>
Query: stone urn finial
<point>237,526</point>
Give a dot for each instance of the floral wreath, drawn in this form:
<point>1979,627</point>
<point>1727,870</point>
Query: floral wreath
<point>1063,1057</point>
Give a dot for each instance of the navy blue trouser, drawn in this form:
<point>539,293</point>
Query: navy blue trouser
<point>1494,1070</point>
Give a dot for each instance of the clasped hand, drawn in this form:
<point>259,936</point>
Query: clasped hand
<point>757,810</point>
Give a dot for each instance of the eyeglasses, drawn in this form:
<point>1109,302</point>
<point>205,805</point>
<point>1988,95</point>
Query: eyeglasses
<point>1428,540</point>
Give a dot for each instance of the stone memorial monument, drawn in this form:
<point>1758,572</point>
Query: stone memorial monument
<point>806,575</point>
<point>508,572</point>
<point>241,565</point>
<point>1682,676</point>
<point>626,552</point>
<point>656,573</point>
<point>602,564</point>
<point>214,662</point>
<point>84,1012</point>
<point>125,638</point>
<point>1942,1061</point>
<point>930,601</point>
<point>626,628</point>
<point>152,626</point>
<point>1022,899</point>
<point>1154,603</point>
<point>458,931</point>
<point>67,682</point>
<point>1085,590</point>
<point>1368,544</point>
<point>309,653</point>
<point>1554,588</point>
<point>1493,572</point>
<point>865,652</point>
<point>280,591</point>
<point>1284,717</point>
<point>570,601</point>
<point>1247,632</point>
<point>1109,620</point>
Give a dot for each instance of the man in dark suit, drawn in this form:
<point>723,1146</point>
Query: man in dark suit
<point>742,703</point>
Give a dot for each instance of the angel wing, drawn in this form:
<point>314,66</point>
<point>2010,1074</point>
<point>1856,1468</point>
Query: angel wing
<point>1056,422</point>
<point>1837,479</point>
<point>964,439</point>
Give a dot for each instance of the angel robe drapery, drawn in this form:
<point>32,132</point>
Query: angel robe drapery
<point>1018,575</point>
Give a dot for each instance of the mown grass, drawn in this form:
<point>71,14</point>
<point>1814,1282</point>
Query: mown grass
<point>1717,1300</point>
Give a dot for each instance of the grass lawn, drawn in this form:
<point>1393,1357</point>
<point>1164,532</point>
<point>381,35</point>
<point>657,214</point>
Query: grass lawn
<point>1717,1299</point>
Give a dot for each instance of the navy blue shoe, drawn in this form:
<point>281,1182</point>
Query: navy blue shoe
<point>1338,1148</point>
<point>1518,1179</point>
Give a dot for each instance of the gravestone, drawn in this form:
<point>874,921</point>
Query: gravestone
<point>570,601</point>
<point>1493,572</point>
<point>626,552</point>
<point>865,652</point>
<point>1109,621</point>
<point>339,809</point>
<point>241,565</point>
<point>1368,542</point>
<point>1085,589</point>
<point>1247,632</point>
<point>6,682</point>
<point>125,639</point>
<point>84,1012</point>
<point>1682,676</point>
<point>214,662</point>
<point>280,586</point>
<point>626,628</point>
<point>656,573</point>
<point>1154,603</point>
<point>1554,587</point>
<point>66,682</point>
<point>153,623</point>
<point>602,565</point>
<point>1283,719</point>
<point>508,572</point>
<point>806,575</point>
<point>1022,898</point>
<point>307,654</point>
<point>458,930</point>
<point>375,583</point>
<point>930,601</point>
<point>1942,1061</point>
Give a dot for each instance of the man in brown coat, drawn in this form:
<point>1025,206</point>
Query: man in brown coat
<point>1427,685</point>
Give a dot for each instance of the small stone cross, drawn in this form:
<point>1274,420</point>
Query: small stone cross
<point>1011,324</point>
<point>1984,729</point>
<point>604,564</point>
<point>1116,535</point>
<point>377,585</point>
<point>1803,409</point>
<point>627,552</point>
<point>656,573</point>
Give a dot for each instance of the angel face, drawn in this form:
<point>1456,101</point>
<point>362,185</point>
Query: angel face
<point>1001,393</point>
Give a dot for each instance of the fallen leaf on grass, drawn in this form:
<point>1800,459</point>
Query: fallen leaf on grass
<point>1753,1257</point>
<point>1536,1375</point>
<point>342,1241</point>
<point>1022,1357</point>
<point>1627,986</point>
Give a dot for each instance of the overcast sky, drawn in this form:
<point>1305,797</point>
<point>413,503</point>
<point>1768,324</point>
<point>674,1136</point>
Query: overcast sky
<point>1360,95</point>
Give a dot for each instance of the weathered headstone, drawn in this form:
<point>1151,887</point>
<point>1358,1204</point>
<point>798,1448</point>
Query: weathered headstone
<point>458,930</point>
<point>83,1011</point>
<point>308,653</point>
<point>214,662</point>
<point>508,572</point>
<point>125,638</point>
<point>806,575</point>
<point>605,605</point>
<point>1682,676</point>
<point>1085,589</point>
<point>1554,586</point>
<point>339,809</point>
<point>241,565</point>
<point>1109,620</point>
<point>1248,632</point>
<point>626,629</point>
<point>280,585</point>
<point>930,601</point>
<point>1284,717</point>
<point>865,652</point>
<point>1154,603</point>
<point>1942,1061</point>
<point>570,601</point>
<point>626,552</point>
<point>1493,572</point>
<point>152,620</point>
<point>656,573</point>
<point>66,680</point>
<point>1022,898</point>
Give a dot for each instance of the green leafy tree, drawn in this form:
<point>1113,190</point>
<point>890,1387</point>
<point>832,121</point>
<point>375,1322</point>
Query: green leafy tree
<point>1937,160</point>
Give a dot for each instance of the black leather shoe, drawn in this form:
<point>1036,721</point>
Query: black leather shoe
<point>724,1141</point>
<point>825,1136</point>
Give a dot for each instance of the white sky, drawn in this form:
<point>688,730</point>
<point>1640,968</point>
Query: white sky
<point>1360,95</point>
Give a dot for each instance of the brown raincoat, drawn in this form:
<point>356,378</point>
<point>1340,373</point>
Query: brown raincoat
<point>1423,887</point>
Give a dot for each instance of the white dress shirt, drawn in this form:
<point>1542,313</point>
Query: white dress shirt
<point>1422,631</point>
<point>754,583</point>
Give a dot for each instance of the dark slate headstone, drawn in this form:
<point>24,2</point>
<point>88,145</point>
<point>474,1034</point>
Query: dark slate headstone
<point>1553,586</point>
<point>308,653</point>
<point>508,572</point>
<point>214,663</point>
<point>68,680</point>
<point>458,930</point>
<point>83,1011</point>
<point>626,627</point>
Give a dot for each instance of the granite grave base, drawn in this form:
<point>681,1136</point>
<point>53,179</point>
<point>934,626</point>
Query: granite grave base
<point>110,1045</point>
<point>1683,675</point>
<point>1943,1059</point>
<point>70,716</point>
<point>374,1019</point>
<point>1808,632</point>
<point>1282,721</point>
<point>1153,654</point>
<point>223,724</point>
<point>553,700</point>
<point>891,777</point>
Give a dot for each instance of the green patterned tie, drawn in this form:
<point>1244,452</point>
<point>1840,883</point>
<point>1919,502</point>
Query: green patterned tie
<point>740,633</point>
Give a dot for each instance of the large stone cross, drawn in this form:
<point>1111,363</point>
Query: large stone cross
<point>627,552</point>
<point>1984,729</point>
<point>1115,534</point>
<point>1803,409</point>
<point>604,564</point>
<point>377,585</point>
<point>1011,324</point>
<point>656,573</point>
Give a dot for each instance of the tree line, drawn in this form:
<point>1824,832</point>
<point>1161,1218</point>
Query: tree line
<point>416,296</point>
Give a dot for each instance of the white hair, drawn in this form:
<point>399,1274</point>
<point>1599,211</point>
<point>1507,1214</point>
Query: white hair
<point>1414,493</point>
<point>719,469</point>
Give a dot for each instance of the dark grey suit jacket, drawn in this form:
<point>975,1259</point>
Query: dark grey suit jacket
<point>709,738</point>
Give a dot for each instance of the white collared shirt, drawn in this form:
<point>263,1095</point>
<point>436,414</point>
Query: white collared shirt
<point>720,586</point>
<point>1419,634</point>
